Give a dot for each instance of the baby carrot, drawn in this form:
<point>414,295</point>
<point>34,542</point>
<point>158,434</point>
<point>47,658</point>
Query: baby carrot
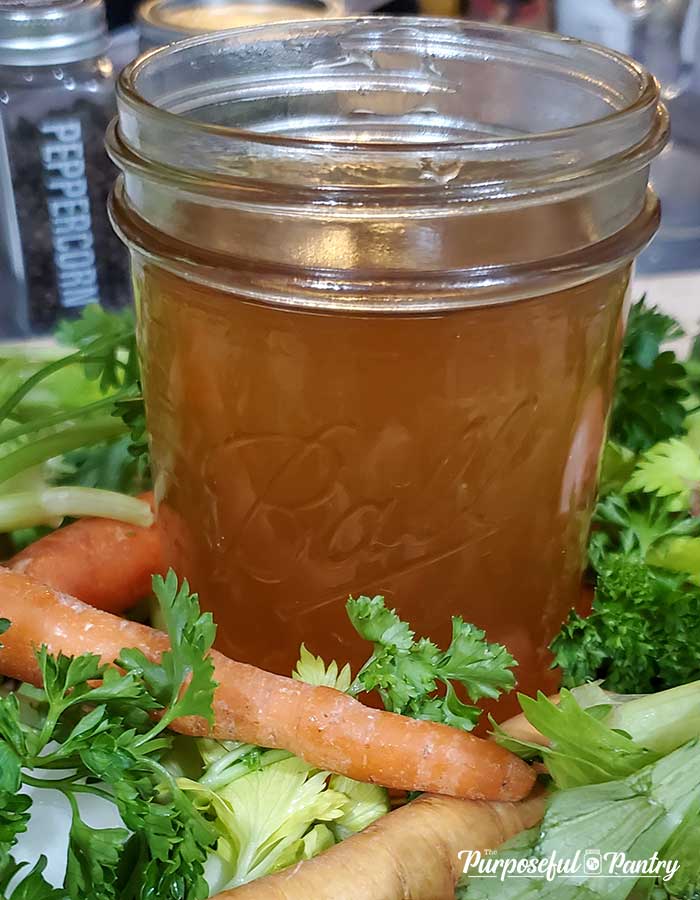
<point>105,563</point>
<point>325,727</point>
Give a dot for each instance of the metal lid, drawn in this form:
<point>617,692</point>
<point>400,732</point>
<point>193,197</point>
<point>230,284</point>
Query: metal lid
<point>47,32</point>
<point>164,21</point>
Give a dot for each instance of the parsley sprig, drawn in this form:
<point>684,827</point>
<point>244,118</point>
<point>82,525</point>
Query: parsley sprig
<point>645,545</point>
<point>651,385</point>
<point>102,729</point>
<point>642,634</point>
<point>408,673</point>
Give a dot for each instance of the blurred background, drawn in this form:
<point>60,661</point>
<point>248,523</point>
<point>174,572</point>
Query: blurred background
<point>99,40</point>
<point>535,12</point>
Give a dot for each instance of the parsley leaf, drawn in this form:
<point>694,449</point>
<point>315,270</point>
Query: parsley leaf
<point>642,633</point>
<point>651,390</point>
<point>107,340</point>
<point>10,768</point>
<point>111,466</point>
<point>484,669</point>
<point>132,412</point>
<point>183,680</point>
<point>93,858</point>
<point>111,338</point>
<point>32,886</point>
<point>93,726</point>
<point>617,465</point>
<point>14,817</point>
<point>407,673</point>
<point>11,729</point>
<point>637,522</point>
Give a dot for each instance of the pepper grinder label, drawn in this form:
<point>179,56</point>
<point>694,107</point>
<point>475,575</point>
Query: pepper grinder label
<point>63,159</point>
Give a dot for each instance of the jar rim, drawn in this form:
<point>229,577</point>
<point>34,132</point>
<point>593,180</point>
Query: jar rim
<point>177,131</point>
<point>375,147</point>
<point>128,92</point>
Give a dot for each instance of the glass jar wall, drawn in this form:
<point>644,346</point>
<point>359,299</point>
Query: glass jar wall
<point>381,272</point>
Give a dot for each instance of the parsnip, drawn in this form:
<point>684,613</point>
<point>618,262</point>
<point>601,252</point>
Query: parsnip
<point>410,854</point>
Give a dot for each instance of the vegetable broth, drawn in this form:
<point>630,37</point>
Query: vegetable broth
<point>447,461</point>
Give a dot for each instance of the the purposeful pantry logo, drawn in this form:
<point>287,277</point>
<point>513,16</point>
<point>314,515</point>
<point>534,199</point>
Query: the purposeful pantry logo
<point>582,865</point>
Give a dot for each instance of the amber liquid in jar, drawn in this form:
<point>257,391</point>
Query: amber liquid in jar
<point>446,461</point>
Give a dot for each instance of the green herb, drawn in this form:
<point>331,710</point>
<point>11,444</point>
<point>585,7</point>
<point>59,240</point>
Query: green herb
<point>111,467</point>
<point>642,634</point>
<point>115,335</point>
<point>31,886</point>
<point>108,336</point>
<point>406,673</point>
<point>98,734</point>
<point>75,418</point>
<point>183,680</point>
<point>651,385</point>
<point>131,410</point>
<point>645,547</point>
<point>617,466</point>
<point>38,450</point>
<point>638,523</point>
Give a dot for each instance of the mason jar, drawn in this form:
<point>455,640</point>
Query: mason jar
<point>381,271</point>
<point>58,252</point>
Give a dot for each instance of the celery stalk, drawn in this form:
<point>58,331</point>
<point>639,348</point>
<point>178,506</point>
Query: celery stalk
<point>49,506</point>
<point>38,451</point>
<point>663,721</point>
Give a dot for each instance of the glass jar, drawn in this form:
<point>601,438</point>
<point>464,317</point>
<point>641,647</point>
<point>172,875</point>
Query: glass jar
<point>57,249</point>
<point>164,21</point>
<point>381,269</point>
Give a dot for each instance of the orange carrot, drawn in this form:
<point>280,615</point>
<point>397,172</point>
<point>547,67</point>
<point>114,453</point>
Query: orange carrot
<point>409,854</point>
<point>105,563</point>
<point>323,726</point>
